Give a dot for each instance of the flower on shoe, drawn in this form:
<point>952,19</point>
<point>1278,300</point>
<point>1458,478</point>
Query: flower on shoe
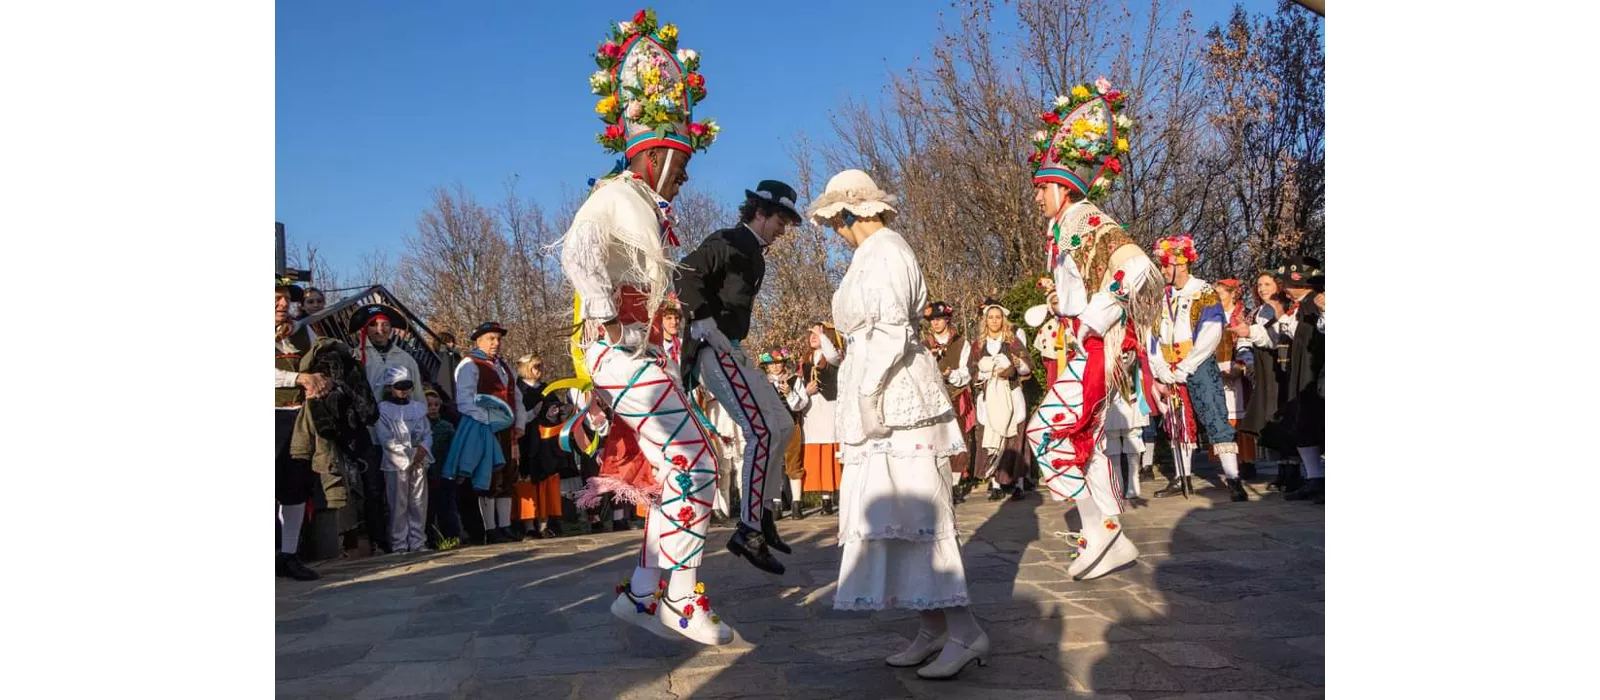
<point>700,588</point>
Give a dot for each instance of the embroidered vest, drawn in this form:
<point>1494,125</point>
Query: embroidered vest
<point>489,380</point>
<point>290,362</point>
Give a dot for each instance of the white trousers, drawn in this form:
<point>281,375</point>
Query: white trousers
<point>649,400</point>
<point>1061,408</point>
<point>408,507</point>
<point>754,405</point>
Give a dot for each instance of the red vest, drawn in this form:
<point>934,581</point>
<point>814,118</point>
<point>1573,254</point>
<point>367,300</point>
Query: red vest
<point>489,380</point>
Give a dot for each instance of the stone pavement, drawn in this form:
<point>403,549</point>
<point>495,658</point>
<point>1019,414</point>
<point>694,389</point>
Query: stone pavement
<point>1226,602</point>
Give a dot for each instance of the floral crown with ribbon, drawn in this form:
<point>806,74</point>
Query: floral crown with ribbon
<point>1176,250</point>
<point>648,88</point>
<point>775,356</point>
<point>1084,139</point>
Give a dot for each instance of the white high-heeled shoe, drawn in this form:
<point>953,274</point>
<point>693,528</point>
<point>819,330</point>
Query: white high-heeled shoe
<point>922,648</point>
<point>945,670</point>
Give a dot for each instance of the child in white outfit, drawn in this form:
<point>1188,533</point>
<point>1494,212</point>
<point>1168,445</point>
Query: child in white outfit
<point>406,438</point>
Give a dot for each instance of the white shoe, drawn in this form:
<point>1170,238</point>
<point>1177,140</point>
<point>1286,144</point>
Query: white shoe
<point>1119,552</point>
<point>692,617</point>
<point>947,668</point>
<point>922,648</point>
<point>639,612</point>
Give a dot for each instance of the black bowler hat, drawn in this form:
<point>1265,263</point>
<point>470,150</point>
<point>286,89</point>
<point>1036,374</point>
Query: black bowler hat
<point>283,284</point>
<point>778,193</point>
<point>487,327</point>
<point>364,316</point>
<point>938,309</point>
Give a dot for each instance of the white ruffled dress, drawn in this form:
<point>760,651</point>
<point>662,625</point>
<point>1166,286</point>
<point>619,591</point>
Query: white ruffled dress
<point>897,522</point>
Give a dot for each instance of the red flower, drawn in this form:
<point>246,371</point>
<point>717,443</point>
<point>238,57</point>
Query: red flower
<point>1060,462</point>
<point>1111,525</point>
<point>1118,276</point>
<point>1057,418</point>
<point>614,131</point>
<point>638,19</point>
<point>651,609</point>
<point>1114,165</point>
<point>679,460</point>
<point>1036,158</point>
<point>688,611</point>
<point>1050,118</point>
<point>697,129</point>
<point>685,514</point>
<point>619,590</point>
<point>704,603</point>
<point>695,80</point>
<point>1113,96</point>
<point>1094,221</point>
<point>611,50</point>
<point>1085,154</point>
<point>662,584</point>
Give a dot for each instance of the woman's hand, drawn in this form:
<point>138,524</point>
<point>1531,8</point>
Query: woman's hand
<point>872,417</point>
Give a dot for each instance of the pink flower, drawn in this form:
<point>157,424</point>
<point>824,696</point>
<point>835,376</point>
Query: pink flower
<point>1102,86</point>
<point>611,50</point>
<point>634,110</point>
<point>697,129</point>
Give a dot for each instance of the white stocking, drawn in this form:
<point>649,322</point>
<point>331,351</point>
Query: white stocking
<point>645,580</point>
<point>502,510</point>
<point>795,490</point>
<point>1183,460</point>
<point>293,517</point>
<point>486,509</point>
<point>1230,464</point>
<point>1311,457</point>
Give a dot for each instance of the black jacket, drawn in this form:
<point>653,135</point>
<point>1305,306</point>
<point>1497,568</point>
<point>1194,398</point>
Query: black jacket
<point>542,457</point>
<point>343,414</point>
<point>720,280</point>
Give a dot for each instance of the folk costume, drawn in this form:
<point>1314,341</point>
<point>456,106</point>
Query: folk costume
<point>951,351</point>
<point>542,461</point>
<point>617,255</point>
<point>489,398</point>
<point>1299,336</point>
<point>997,367</point>
<point>378,359</point>
<point>294,479</point>
<point>1106,294</point>
<point>1126,421</point>
<point>1182,358</point>
<point>897,431</point>
<point>717,287</point>
<point>820,373</point>
<point>1235,359</point>
<point>792,389</point>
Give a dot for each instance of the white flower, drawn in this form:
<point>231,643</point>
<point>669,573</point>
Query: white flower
<point>711,126</point>
<point>1062,101</point>
<point>1101,182</point>
<point>1123,121</point>
<point>600,82</point>
<point>687,56</point>
<point>1039,135</point>
<point>625,27</point>
<point>1102,85</point>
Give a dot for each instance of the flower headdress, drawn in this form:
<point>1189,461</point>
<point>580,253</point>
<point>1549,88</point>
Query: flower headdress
<point>1084,139</point>
<point>1176,250</point>
<point>775,356</point>
<point>648,88</point>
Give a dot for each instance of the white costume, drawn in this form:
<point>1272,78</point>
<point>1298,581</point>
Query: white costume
<point>402,428</point>
<point>896,524</point>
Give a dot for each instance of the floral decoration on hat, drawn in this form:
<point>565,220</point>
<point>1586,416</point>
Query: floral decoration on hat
<point>648,88</point>
<point>1176,250</point>
<point>1084,140</point>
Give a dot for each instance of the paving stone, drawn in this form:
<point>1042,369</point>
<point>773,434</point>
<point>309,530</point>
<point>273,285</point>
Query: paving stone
<point>625,685</point>
<point>739,681</point>
<point>861,648</point>
<point>418,679</point>
<point>544,688</point>
<point>1186,654</point>
<point>498,647</point>
<point>346,632</point>
<point>1122,667</point>
<point>302,664</point>
<point>443,647</point>
<point>841,680</point>
<point>301,625</point>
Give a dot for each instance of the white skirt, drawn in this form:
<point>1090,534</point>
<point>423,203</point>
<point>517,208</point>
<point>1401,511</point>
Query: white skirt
<point>897,525</point>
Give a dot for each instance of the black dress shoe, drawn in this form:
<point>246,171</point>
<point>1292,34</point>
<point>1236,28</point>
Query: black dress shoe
<point>827,506</point>
<point>289,565</point>
<point>1176,487</point>
<point>1311,490</point>
<point>996,494</point>
<point>796,513</point>
<point>500,535</point>
<point>1236,491</point>
<point>553,529</point>
<point>1019,495</point>
<point>748,543</point>
<point>769,532</point>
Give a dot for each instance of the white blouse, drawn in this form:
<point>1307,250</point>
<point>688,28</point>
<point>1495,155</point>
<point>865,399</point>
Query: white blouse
<point>878,308</point>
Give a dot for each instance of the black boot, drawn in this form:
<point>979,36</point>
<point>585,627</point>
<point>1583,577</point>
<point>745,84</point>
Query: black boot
<point>500,535</point>
<point>552,528</point>
<point>956,497</point>
<point>1279,479</point>
<point>796,513</point>
<point>996,494</point>
<point>289,565</point>
<point>1311,490</point>
<point>748,543</point>
<point>1292,480</point>
<point>1236,490</point>
<point>776,511</point>
<point>769,532</point>
<point>1176,486</point>
<point>1247,470</point>
<point>827,505</point>
<point>1019,494</point>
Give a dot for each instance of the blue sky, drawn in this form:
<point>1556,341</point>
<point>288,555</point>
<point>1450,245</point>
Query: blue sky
<point>379,102</point>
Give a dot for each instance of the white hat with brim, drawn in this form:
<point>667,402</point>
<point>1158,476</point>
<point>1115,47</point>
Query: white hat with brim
<point>852,191</point>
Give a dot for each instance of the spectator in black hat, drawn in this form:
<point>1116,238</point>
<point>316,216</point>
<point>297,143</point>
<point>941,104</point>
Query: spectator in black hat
<point>295,479</point>
<point>492,467</point>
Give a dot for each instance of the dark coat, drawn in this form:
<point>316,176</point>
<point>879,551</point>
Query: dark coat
<point>542,457</point>
<point>343,414</point>
<point>721,278</point>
